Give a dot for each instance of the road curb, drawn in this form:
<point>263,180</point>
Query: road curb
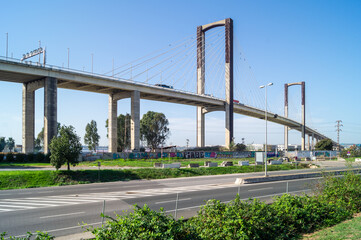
<point>283,177</point>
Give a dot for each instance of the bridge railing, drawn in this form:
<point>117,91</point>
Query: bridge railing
<point>82,72</point>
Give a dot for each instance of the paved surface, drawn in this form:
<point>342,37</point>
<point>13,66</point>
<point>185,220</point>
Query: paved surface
<point>62,210</point>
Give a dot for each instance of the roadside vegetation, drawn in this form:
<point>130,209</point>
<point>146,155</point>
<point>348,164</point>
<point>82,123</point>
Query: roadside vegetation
<point>31,179</point>
<point>288,217</point>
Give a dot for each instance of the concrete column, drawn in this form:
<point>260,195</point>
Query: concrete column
<point>28,119</point>
<point>313,141</point>
<point>200,85</point>
<point>286,115</point>
<point>303,117</point>
<point>309,143</point>
<point>135,121</point>
<point>50,111</point>
<point>229,81</point>
<point>112,124</point>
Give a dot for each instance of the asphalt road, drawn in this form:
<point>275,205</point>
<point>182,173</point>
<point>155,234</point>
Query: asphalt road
<point>62,210</point>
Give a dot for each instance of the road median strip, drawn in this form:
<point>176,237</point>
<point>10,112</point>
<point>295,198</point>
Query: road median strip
<point>250,180</point>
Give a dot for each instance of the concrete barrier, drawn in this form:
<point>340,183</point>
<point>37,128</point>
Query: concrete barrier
<point>283,177</point>
<point>172,165</point>
<point>212,164</point>
<point>275,162</point>
<point>193,165</point>
<point>243,163</point>
<point>357,159</point>
<point>157,165</point>
<point>226,163</point>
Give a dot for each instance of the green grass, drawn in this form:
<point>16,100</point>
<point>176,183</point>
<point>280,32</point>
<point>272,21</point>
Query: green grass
<point>350,229</point>
<point>150,162</point>
<point>30,179</point>
<point>4,165</point>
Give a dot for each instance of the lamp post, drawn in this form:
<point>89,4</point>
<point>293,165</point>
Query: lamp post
<point>265,117</point>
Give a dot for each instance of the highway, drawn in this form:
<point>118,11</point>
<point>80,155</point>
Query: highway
<point>62,210</point>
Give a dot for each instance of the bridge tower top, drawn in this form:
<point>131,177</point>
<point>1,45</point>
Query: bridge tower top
<point>228,24</point>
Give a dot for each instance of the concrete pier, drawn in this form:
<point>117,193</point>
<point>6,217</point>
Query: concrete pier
<point>50,111</point>
<point>135,121</point>
<point>112,123</point>
<point>28,119</point>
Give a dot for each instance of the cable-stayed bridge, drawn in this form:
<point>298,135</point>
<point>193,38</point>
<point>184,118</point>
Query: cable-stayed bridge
<point>203,71</point>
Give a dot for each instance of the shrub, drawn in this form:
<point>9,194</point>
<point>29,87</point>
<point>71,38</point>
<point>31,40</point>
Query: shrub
<point>20,158</point>
<point>344,190</point>
<point>1,157</point>
<point>30,158</point>
<point>144,223</point>
<point>303,214</point>
<point>39,157</point>
<point>39,236</point>
<point>236,220</point>
<point>10,157</point>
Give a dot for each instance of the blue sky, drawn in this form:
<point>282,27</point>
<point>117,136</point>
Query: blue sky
<point>318,42</point>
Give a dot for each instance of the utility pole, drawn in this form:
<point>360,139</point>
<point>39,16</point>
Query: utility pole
<point>338,130</point>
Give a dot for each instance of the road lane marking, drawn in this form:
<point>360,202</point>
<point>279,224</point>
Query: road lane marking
<point>184,199</point>
<point>61,215</point>
<point>27,207</point>
<point>259,189</point>
<point>46,192</point>
<point>26,203</point>
<point>99,188</point>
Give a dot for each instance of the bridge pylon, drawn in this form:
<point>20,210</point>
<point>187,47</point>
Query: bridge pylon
<point>228,108</point>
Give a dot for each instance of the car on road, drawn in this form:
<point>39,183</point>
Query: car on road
<point>163,85</point>
<point>235,101</point>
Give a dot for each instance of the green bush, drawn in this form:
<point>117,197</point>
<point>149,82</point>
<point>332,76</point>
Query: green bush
<point>1,157</point>
<point>304,214</point>
<point>20,158</point>
<point>30,158</point>
<point>144,223</point>
<point>39,157</point>
<point>344,190</point>
<point>10,157</point>
<point>236,220</point>
<point>39,236</point>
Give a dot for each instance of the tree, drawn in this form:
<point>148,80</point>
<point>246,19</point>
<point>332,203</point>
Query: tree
<point>154,129</point>
<point>91,137</point>
<point>240,147</point>
<point>123,131</point>
<point>65,148</point>
<point>324,144</point>
<point>10,143</point>
<point>2,143</point>
<point>39,141</point>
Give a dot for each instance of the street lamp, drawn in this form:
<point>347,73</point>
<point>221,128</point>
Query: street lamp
<point>265,116</point>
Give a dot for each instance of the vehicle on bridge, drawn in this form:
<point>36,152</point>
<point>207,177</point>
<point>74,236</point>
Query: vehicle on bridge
<point>164,86</point>
<point>235,101</point>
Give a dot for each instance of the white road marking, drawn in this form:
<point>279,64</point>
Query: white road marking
<point>259,189</point>
<point>184,199</point>
<point>61,215</point>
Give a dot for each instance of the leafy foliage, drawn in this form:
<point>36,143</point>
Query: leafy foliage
<point>123,131</point>
<point>144,223</point>
<point>324,144</point>
<point>39,236</point>
<point>10,143</point>
<point>39,141</point>
<point>91,137</point>
<point>354,150</point>
<point>2,143</point>
<point>154,129</point>
<point>65,148</point>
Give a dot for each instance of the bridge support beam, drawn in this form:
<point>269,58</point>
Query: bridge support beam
<point>309,143</point>
<point>229,81</point>
<point>135,121</point>
<point>200,127</point>
<point>50,111</point>
<point>28,119</point>
<point>112,124</point>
